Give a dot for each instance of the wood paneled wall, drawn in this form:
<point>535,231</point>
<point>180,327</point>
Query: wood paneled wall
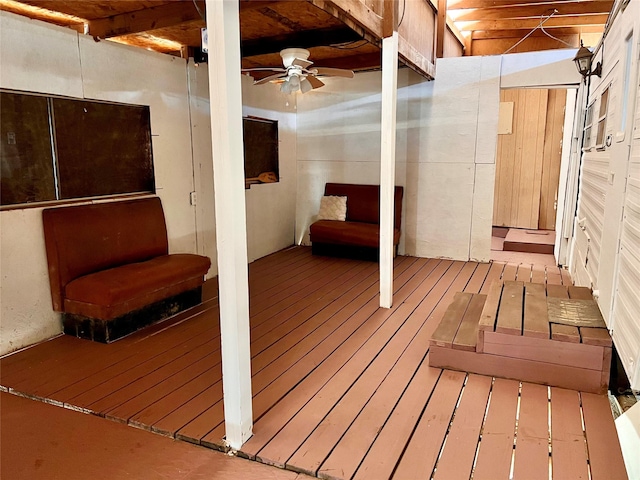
<point>551,160</point>
<point>519,160</point>
<point>528,160</point>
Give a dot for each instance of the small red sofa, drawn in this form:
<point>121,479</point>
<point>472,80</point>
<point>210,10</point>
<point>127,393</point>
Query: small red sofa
<point>359,235</point>
<point>110,270</point>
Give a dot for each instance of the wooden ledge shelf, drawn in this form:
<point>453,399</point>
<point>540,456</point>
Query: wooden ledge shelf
<point>552,335</point>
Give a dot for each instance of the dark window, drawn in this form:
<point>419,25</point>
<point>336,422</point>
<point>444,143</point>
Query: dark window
<point>260,150</point>
<point>103,149</point>
<point>61,149</point>
<point>26,169</point>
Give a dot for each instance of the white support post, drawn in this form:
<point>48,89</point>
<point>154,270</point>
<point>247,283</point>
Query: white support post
<point>388,165</point>
<point>225,97</point>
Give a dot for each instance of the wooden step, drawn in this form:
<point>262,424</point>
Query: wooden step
<point>551,335</point>
<point>530,241</point>
<point>459,326</point>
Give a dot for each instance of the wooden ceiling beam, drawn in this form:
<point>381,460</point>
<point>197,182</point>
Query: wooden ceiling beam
<point>441,21</point>
<point>389,18</point>
<point>559,31</point>
<point>358,62</point>
<point>367,61</point>
<point>529,24</point>
<point>465,4</point>
<point>355,14</point>
<point>302,39</point>
<point>162,16</point>
<point>573,8</point>
<point>246,5</point>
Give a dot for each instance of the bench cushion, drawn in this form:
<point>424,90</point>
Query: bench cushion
<point>349,233</point>
<point>113,292</point>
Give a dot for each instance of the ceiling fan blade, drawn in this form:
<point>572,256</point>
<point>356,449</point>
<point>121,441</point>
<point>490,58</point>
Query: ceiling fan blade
<point>315,83</point>
<point>264,69</point>
<point>334,72</point>
<point>301,62</point>
<point>269,78</point>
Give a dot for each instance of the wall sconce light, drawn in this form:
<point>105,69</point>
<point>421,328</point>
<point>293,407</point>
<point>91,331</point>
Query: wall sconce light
<point>583,60</point>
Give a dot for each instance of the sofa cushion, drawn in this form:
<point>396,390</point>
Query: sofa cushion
<point>349,233</point>
<point>116,291</point>
<point>333,208</point>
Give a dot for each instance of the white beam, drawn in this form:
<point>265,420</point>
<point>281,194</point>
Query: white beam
<point>388,165</point>
<point>225,97</point>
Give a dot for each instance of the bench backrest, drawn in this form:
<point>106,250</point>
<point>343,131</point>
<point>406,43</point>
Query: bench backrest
<point>363,201</point>
<point>84,239</point>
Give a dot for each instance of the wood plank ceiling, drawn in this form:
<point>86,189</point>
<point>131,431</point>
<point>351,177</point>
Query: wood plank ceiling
<point>489,26</point>
<point>497,26</point>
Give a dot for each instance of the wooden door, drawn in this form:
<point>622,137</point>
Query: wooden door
<point>528,159</point>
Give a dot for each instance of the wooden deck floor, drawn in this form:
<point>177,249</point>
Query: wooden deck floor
<point>341,388</point>
<point>43,442</point>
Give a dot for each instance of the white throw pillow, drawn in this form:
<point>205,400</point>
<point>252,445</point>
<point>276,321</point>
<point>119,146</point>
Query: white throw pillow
<point>333,208</point>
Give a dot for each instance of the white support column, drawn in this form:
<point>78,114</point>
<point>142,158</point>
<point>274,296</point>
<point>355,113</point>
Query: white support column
<point>388,165</point>
<point>225,97</point>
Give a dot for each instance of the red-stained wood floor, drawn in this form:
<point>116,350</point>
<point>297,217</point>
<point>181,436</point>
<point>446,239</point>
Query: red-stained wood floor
<point>43,442</point>
<point>341,388</point>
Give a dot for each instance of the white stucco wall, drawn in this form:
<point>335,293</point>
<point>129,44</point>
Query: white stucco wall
<point>270,207</point>
<point>37,57</point>
<point>442,148</point>
<point>540,69</point>
<point>41,58</point>
<point>446,145</point>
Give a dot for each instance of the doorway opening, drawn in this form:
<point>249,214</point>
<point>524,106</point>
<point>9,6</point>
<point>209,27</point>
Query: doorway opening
<point>528,171</point>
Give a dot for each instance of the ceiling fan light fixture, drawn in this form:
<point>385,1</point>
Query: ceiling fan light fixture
<point>289,88</point>
<point>305,85</point>
<point>286,87</point>
<point>290,54</point>
<point>293,83</point>
<point>297,74</point>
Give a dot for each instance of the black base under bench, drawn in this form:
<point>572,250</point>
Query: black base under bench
<point>371,254</point>
<point>106,331</point>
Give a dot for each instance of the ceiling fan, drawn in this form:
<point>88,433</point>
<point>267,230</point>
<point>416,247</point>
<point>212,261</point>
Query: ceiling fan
<point>297,73</point>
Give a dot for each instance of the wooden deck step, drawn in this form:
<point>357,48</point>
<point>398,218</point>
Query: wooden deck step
<point>459,326</point>
<point>525,331</point>
<point>529,241</point>
<point>467,334</point>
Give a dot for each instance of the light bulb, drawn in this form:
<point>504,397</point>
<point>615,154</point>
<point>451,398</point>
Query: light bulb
<point>305,85</point>
<point>294,81</point>
<point>286,87</point>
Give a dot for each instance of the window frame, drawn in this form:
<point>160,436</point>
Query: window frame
<point>587,136</point>
<point>54,168</point>
<point>275,142</point>
<point>603,109</point>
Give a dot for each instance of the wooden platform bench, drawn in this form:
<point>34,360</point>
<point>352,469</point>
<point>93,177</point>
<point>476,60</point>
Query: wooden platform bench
<point>110,270</point>
<point>550,335</point>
